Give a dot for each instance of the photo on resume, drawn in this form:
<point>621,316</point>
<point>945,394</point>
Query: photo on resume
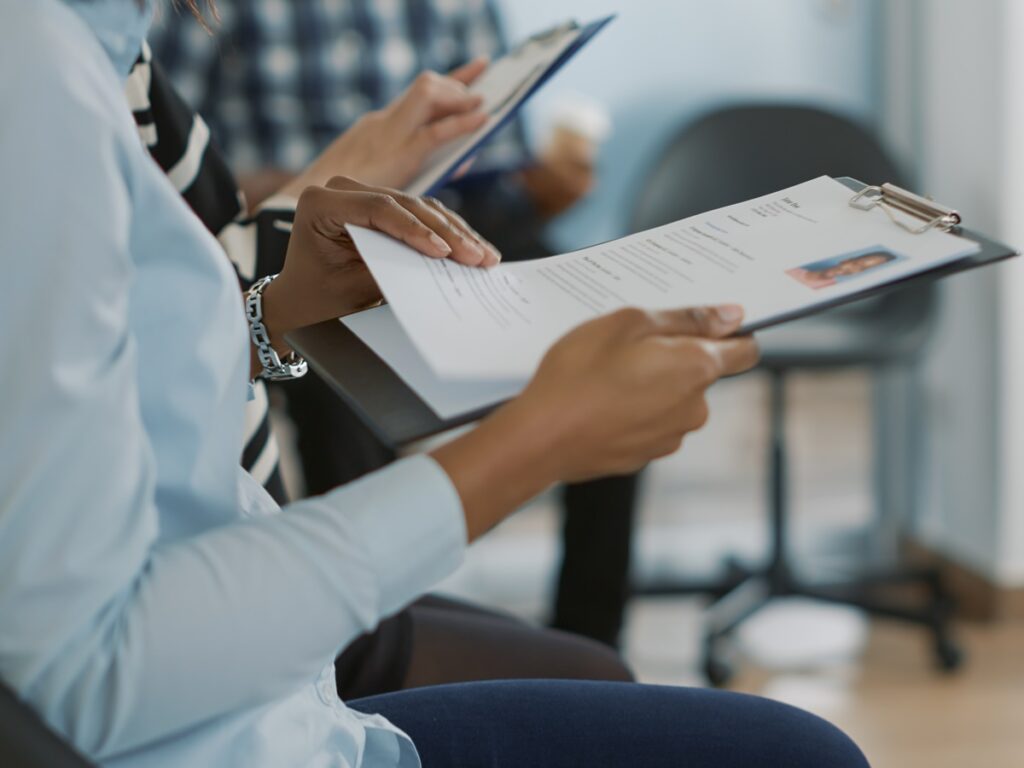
<point>848,266</point>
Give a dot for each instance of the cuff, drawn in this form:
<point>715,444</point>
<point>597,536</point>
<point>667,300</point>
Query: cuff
<point>412,526</point>
<point>278,203</point>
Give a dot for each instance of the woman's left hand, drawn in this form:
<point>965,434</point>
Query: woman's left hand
<point>390,146</point>
<point>325,278</point>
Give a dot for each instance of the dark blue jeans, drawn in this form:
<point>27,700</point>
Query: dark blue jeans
<point>544,724</point>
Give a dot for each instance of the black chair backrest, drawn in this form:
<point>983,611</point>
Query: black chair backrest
<point>26,742</point>
<point>737,153</point>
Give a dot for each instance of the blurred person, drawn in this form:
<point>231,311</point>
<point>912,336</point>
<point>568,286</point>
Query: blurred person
<point>156,609</point>
<point>434,640</point>
<point>278,83</point>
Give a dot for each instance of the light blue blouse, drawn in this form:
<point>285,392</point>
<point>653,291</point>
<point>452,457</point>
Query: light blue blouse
<point>154,607</point>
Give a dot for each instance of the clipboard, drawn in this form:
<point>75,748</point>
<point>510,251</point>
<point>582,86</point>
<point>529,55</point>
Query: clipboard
<point>397,416</point>
<point>453,158</point>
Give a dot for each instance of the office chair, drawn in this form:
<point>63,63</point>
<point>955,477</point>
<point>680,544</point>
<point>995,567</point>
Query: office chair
<point>739,153</point>
<point>26,742</point>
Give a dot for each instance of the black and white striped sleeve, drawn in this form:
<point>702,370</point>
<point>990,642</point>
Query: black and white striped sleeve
<point>179,141</point>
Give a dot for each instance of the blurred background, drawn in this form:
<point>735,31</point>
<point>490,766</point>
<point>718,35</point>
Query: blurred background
<point>923,461</point>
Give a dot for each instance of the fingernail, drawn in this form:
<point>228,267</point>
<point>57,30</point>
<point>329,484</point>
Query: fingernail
<point>477,249</point>
<point>729,313</point>
<point>440,246</point>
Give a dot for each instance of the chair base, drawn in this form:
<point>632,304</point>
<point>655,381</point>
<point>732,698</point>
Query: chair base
<point>743,592</point>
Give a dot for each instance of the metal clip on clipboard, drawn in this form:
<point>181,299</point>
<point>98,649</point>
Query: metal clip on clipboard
<point>557,31</point>
<point>891,199</point>
<point>541,39</point>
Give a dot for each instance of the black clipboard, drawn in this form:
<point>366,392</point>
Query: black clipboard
<point>397,416</point>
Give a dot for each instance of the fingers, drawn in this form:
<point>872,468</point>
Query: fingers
<point>493,255</point>
<point>463,169</point>
<point>380,211</point>
<point>733,356</point>
<point>699,363</point>
<point>701,322</point>
<point>432,96</point>
<point>706,322</point>
<point>464,249</point>
<point>426,225</point>
<point>433,135</point>
<point>348,184</point>
<point>467,73</point>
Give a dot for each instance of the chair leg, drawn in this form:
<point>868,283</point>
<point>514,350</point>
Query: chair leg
<point>935,614</point>
<point>724,616</point>
<point>743,592</point>
<point>777,478</point>
<point>728,612</point>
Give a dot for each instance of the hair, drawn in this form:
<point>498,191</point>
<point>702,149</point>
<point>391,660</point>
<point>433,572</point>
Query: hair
<point>193,5</point>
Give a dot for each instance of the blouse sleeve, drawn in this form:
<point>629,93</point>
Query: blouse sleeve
<point>119,640</point>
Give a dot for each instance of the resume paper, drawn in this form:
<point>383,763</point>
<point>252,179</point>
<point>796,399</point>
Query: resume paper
<point>487,329</point>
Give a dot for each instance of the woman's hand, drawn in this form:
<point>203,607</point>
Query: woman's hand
<point>389,147</point>
<point>625,389</point>
<point>325,278</point>
<point>613,395</point>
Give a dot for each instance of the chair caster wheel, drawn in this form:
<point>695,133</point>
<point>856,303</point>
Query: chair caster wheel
<point>717,672</point>
<point>950,657</point>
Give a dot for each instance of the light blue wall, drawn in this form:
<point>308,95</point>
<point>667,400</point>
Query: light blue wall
<point>665,61</point>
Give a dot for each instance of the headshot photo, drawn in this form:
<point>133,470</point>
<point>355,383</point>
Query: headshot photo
<point>829,272</point>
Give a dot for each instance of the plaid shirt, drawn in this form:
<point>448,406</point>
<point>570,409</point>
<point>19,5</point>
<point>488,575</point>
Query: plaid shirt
<point>282,78</point>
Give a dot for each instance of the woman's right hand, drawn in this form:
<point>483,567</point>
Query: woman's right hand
<point>625,389</point>
<point>613,395</point>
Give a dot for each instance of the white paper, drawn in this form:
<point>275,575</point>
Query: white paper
<point>380,330</point>
<point>503,86</point>
<point>497,323</point>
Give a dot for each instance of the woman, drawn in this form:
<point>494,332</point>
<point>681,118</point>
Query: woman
<point>434,640</point>
<point>154,608</point>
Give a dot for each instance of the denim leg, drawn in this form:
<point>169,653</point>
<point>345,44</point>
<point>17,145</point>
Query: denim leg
<point>544,724</point>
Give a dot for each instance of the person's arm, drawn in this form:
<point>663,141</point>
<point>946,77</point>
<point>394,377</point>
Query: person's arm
<point>388,147</point>
<point>118,640</point>
<point>179,141</point>
<point>613,395</point>
<point>98,635</point>
<point>323,276</point>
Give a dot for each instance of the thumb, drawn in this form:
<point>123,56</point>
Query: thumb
<point>716,322</point>
<point>467,73</point>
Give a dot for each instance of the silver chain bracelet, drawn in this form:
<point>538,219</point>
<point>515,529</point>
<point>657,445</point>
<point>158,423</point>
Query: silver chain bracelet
<point>274,368</point>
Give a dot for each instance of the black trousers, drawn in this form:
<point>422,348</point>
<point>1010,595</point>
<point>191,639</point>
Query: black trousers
<point>593,586</point>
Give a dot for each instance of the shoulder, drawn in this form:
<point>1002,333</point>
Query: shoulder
<point>63,101</point>
<point>52,63</point>
<point>67,136</point>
